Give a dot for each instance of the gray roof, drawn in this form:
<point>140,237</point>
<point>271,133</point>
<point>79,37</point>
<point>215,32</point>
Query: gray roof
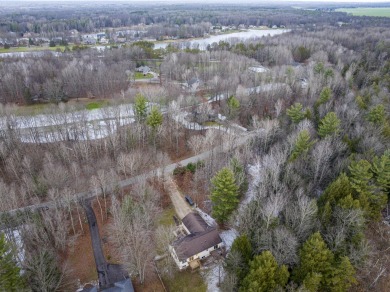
<point>121,286</point>
<point>201,237</point>
<point>194,223</point>
<point>193,244</point>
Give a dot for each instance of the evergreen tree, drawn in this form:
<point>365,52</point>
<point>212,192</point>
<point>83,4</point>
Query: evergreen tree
<point>265,274</point>
<point>242,247</point>
<point>154,119</point>
<point>381,170</point>
<point>315,258</point>
<point>224,194</point>
<point>239,176</point>
<point>302,145</point>
<point>377,114</point>
<point>295,112</point>
<point>343,276</point>
<point>233,105</point>
<point>325,95</point>
<point>336,191</point>
<point>140,107</point>
<point>370,193</point>
<point>312,282</point>
<point>10,279</point>
<point>329,125</point>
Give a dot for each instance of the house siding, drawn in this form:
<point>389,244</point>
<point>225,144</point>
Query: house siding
<point>200,256</point>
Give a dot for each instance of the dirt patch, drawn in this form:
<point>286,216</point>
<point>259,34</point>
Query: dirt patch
<point>375,274</point>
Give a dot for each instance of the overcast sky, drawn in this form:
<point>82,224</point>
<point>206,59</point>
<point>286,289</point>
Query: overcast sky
<point>208,1</point>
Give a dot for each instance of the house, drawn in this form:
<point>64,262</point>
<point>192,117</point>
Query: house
<point>194,83</point>
<point>144,69</point>
<point>198,242</point>
<point>121,286</point>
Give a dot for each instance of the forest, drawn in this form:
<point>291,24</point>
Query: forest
<point>287,136</point>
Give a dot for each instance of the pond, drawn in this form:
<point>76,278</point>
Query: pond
<point>237,36</point>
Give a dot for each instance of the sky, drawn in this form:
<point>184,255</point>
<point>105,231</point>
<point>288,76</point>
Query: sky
<point>208,1</point>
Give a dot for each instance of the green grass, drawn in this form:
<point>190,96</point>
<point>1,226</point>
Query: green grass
<point>186,281</point>
<point>140,75</point>
<point>360,11</point>
<point>31,49</point>
<point>166,217</point>
<point>95,105</point>
<point>211,124</point>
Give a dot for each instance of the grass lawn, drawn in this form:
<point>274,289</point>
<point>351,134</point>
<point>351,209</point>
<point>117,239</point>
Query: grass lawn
<point>211,124</point>
<point>31,49</point>
<point>96,104</point>
<point>382,12</point>
<point>186,282</point>
<point>140,75</point>
<point>166,217</point>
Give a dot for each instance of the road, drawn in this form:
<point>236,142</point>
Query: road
<point>108,274</point>
<point>159,172</point>
<point>181,207</point>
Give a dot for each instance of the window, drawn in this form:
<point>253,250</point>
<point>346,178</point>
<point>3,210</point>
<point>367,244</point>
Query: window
<point>191,259</point>
<point>215,246</point>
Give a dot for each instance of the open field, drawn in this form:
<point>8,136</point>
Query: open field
<point>360,11</point>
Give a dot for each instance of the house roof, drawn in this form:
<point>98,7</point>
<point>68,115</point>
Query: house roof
<point>193,244</point>
<point>194,223</point>
<point>121,286</point>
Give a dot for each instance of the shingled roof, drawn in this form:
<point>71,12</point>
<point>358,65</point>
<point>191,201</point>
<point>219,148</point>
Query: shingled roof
<point>201,237</point>
<point>195,223</point>
<point>193,244</point>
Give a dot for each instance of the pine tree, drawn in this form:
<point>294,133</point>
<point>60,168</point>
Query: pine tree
<point>315,257</point>
<point>302,145</point>
<point>381,170</point>
<point>325,96</point>
<point>377,114</point>
<point>336,191</point>
<point>233,105</point>
<point>295,112</point>
<point>242,246</point>
<point>312,282</point>
<point>224,194</point>
<point>265,274</point>
<point>329,125</point>
<point>10,279</point>
<point>343,276</point>
<point>371,197</point>
<point>140,107</point>
<point>154,119</point>
<point>361,176</point>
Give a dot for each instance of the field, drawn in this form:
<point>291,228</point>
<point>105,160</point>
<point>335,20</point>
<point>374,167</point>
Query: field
<point>379,12</point>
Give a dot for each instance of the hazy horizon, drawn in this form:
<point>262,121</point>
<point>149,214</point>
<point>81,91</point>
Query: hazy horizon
<point>208,1</point>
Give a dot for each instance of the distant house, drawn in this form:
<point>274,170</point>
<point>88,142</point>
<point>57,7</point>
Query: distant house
<point>193,84</point>
<point>121,286</point>
<point>198,242</point>
<point>143,69</point>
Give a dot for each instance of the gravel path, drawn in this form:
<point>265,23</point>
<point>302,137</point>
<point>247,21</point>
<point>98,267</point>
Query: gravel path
<point>181,206</point>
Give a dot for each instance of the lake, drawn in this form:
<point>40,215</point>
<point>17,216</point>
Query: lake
<point>203,43</point>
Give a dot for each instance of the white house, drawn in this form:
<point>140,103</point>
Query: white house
<point>198,243</point>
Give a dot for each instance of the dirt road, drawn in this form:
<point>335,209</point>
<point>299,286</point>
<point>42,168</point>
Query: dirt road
<point>181,206</point>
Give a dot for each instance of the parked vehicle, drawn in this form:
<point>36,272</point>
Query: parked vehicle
<point>189,200</point>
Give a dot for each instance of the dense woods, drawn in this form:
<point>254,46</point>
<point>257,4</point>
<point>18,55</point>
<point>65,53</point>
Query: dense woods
<point>298,158</point>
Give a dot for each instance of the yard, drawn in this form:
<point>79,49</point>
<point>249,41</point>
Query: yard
<point>363,11</point>
<point>140,75</point>
<point>186,281</point>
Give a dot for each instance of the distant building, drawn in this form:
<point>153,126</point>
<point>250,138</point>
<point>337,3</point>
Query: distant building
<point>197,242</point>
<point>143,69</point>
<point>121,286</point>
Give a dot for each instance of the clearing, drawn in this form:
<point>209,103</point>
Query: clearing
<point>363,11</point>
